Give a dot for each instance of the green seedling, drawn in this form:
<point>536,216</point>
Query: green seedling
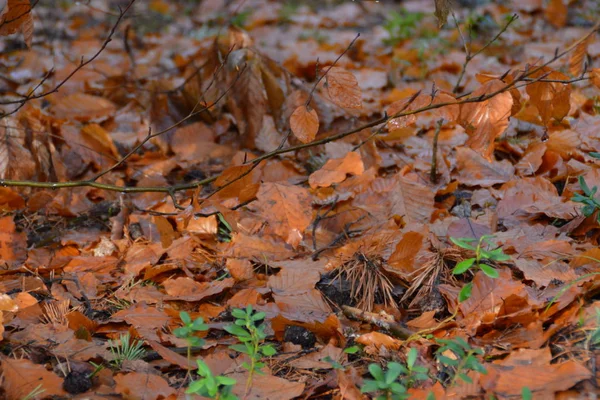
<point>384,386</point>
<point>482,260</point>
<point>393,383</point>
<point>248,330</point>
<point>213,387</point>
<point>188,331</point>
<point>590,203</point>
<point>464,360</point>
<point>126,348</point>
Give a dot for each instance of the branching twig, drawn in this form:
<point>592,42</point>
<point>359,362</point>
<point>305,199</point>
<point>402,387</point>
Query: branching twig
<point>469,55</point>
<point>32,96</point>
<point>312,91</point>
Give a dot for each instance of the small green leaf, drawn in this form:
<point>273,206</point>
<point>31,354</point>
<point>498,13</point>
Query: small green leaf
<point>238,313</point>
<point>584,186</point>
<point>526,392</point>
<point>237,331</point>
<point>369,386</point>
<point>463,266</point>
<point>226,381</point>
<point>489,271</point>
<point>352,350</point>
<point>185,317</point>
<point>411,357</point>
<point>465,292</point>
<point>268,350</point>
<point>463,242</point>
<point>465,378</point>
<point>447,361</point>
<point>376,372</point>
<point>394,370</point>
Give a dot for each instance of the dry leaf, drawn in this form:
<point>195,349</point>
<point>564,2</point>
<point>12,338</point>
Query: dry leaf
<point>286,208</point>
<point>442,9</point>
<point>485,121</point>
<point>304,124</point>
<point>335,171</point>
<point>16,16</point>
<point>343,88</point>
<point>474,170</point>
<point>552,99</point>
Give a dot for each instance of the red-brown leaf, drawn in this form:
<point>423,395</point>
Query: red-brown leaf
<point>304,124</point>
<point>335,171</point>
<point>487,120</point>
<point>343,88</point>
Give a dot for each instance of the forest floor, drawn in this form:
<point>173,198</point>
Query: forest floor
<point>278,199</point>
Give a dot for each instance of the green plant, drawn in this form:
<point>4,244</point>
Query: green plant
<point>213,387</point>
<point>526,393</point>
<point>188,331</point>
<point>248,330</point>
<point>483,258</point>
<point>385,386</point>
<point>590,202</point>
<point>464,360</point>
<point>126,348</point>
<point>241,18</point>
<point>393,383</point>
<point>414,373</point>
<point>401,25</point>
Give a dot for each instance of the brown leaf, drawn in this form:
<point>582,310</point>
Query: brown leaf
<point>15,159</point>
<point>188,289</point>
<point>142,386</point>
<point>248,101</point>
<point>442,9</point>
<point>267,387</point>
<point>304,124</point>
<point>83,107</point>
<point>556,13</point>
<point>487,120</point>
<point>474,170</point>
<point>577,58</point>
<point>21,377</point>
<point>507,380</point>
<point>552,99</point>
<point>16,16</point>
<point>171,356</point>
<point>286,208</point>
<point>343,88</point>
<point>336,170</point>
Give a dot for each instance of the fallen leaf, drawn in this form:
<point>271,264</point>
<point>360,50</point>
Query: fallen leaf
<point>336,170</point>
<point>304,124</point>
<point>343,88</point>
<point>485,121</point>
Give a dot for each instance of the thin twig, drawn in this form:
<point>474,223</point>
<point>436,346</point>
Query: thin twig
<point>310,95</point>
<point>433,174</point>
<point>470,56</point>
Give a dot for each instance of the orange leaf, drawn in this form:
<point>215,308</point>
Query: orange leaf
<point>304,124</point>
<point>343,88</point>
<point>142,386</point>
<point>556,13</point>
<point>287,208</point>
<point>335,171</point>
<point>21,377</point>
<point>485,121</point>
<point>577,57</point>
<point>16,16</point>
<point>552,99</point>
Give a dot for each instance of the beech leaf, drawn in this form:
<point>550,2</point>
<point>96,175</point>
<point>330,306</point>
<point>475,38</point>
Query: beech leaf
<point>304,124</point>
<point>343,88</point>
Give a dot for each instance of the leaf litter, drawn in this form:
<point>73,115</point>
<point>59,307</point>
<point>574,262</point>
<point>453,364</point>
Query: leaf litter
<point>212,157</point>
